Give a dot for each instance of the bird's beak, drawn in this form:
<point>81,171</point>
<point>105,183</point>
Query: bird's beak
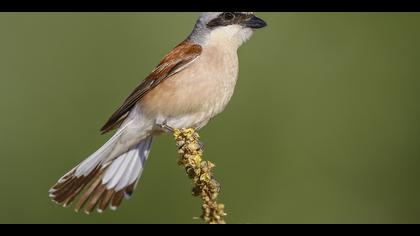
<point>255,23</point>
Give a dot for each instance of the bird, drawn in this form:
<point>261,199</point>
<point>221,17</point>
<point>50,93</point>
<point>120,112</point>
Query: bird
<point>191,85</point>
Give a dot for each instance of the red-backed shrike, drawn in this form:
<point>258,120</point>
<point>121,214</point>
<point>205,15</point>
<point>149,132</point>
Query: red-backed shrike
<point>192,84</point>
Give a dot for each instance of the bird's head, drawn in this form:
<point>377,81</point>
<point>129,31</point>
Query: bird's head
<point>230,27</point>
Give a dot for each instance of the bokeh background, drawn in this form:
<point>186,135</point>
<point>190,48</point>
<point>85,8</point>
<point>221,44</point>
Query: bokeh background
<point>324,126</point>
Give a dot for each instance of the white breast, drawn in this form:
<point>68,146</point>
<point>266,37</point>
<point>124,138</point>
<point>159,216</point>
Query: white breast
<point>221,75</point>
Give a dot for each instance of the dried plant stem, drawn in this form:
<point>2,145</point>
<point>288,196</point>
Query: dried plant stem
<point>200,172</point>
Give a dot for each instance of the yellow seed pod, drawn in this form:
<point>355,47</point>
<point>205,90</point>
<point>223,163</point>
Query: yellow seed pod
<point>197,160</point>
<point>205,177</point>
<point>193,147</point>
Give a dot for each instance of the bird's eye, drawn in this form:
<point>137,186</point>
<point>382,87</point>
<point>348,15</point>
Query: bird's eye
<point>228,16</point>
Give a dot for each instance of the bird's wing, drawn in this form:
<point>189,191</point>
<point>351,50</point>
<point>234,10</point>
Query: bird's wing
<point>175,61</point>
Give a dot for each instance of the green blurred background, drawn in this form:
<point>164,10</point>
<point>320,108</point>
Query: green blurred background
<point>324,126</point>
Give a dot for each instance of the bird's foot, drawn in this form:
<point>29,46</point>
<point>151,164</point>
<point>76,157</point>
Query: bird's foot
<point>165,127</point>
<point>201,144</point>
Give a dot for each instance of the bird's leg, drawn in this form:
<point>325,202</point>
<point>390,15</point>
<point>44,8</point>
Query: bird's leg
<point>168,128</point>
<point>201,144</point>
<point>165,127</point>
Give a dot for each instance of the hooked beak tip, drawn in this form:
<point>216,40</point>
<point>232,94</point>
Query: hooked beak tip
<point>255,23</point>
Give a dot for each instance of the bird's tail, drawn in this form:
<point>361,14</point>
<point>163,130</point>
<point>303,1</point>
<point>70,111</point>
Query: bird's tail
<point>103,182</point>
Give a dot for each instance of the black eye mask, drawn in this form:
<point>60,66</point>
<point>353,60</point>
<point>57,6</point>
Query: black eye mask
<point>228,18</point>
